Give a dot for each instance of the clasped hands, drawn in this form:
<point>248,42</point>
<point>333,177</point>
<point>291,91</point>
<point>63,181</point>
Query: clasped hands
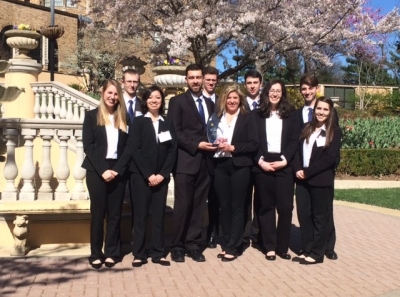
<point>109,175</point>
<point>220,144</point>
<point>155,180</point>
<point>272,166</point>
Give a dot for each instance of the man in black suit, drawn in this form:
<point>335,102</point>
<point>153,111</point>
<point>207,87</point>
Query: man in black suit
<point>189,113</point>
<point>308,88</point>
<point>253,84</point>
<point>209,85</point>
<point>130,83</point>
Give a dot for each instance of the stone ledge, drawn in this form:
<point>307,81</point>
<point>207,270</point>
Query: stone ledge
<point>43,207</point>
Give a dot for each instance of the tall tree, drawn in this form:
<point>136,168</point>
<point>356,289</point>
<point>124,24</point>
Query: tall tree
<point>262,29</point>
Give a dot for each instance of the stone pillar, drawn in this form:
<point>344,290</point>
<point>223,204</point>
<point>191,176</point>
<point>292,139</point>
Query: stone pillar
<point>46,170</point>
<point>27,192</point>
<point>62,192</point>
<point>79,192</point>
<point>10,170</point>
<point>22,73</point>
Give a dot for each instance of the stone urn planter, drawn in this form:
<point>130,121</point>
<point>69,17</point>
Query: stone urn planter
<point>170,76</point>
<point>23,41</point>
<point>132,62</point>
<point>52,32</point>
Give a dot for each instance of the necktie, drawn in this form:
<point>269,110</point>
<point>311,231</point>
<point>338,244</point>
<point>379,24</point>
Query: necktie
<point>130,111</point>
<point>255,105</point>
<point>310,114</point>
<point>201,111</point>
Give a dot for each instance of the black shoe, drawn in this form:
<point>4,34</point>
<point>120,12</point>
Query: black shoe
<point>178,256</point>
<point>246,244</point>
<point>162,262</point>
<point>331,255</point>
<point>298,258</point>
<point>96,265</point>
<point>270,258</point>
<point>196,255</point>
<point>212,244</point>
<point>228,259</point>
<point>220,255</point>
<point>109,264</point>
<point>138,264</point>
<point>305,262</point>
<point>285,256</point>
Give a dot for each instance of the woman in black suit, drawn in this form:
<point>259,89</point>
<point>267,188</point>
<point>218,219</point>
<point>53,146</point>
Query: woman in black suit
<point>104,142</point>
<point>153,147</point>
<point>237,143</point>
<point>278,134</point>
<point>315,166</point>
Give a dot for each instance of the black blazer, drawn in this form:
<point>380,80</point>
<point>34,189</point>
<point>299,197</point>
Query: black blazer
<point>149,155</point>
<point>321,170</point>
<point>245,140</point>
<point>95,146</point>
<point>289,139</point>
<point>190,131</point>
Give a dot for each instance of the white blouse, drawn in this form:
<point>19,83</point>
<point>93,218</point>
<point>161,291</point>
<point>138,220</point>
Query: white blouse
<point>225,130</point>
<point>274,132</point>
<point>112,139</point>
<point>307,147</point>
<point>156,123</point>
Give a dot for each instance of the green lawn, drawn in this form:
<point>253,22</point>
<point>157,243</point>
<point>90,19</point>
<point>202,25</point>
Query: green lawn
<point>389,198</point>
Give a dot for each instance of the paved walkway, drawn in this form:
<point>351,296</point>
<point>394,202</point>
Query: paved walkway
<point>368,241</point>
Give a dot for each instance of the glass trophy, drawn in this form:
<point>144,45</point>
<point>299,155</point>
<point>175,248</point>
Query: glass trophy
<point>214,133</point>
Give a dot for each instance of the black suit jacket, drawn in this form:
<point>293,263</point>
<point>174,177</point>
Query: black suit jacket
<point>149,155</point>
<point>245,140</point>
<point>321,170</point>
<point>95,146</point>
<point>190,131</point>
<point>289,139</point>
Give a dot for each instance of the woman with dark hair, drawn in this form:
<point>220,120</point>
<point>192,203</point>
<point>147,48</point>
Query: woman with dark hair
<point>237,143</point>
<point>104,142</point>
<point>314,166</point>
<point>278,135</point>
<point>153,146</point>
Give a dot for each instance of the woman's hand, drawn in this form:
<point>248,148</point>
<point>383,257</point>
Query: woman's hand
<point>153,180</point>
<point>109,175</point>
<point>226,147</point>
<point>266,166</point>
<point>300,174</point>
<point>278,164</point>
<point>159,178</point>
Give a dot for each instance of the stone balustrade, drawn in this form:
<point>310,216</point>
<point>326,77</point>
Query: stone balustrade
<point>56,101</point>
<point>38,185</point>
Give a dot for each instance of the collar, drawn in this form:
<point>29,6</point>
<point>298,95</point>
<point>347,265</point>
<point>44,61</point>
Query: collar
<point>148,115</point>
<point>255,100</point>
<point>127,97</point>
<point>305,107</point>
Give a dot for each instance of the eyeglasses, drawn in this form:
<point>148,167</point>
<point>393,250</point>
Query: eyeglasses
<point>275,91</point>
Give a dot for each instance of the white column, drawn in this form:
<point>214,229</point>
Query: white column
<point>62,192</point>
<point>36,107</point>
<point>79,192</point>
<point>46,170</point>
<point>27,192</point>
<point>10,192</point>
<point>57,106</point>
<point>50,105</point>
<point>43,105</point>
<point>82,112</point>
<point>76,109</point>
<point>69,115</point>
<point>63,111</point>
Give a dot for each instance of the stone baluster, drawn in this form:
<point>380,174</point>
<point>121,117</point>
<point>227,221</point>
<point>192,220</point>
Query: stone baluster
<point>36,107</point>
<point>62,192</point>
<point>50,105</point>
<point>46,170</point>
<point>1,110</point>
<point>69,115</point>
<point>43,106</point>
<point>82,111</point>
<point>63,111</point>
<point>76,109</point>
<point>57,106</point>
<point>10,192</point>
<point>79,192</point>
<point>27,192</point>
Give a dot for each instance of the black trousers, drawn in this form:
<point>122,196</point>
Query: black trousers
<point>231,184</point>
<point>313,212</point>
<point>191,191</point>
<point>148,199</point>
<point>275,190</point>
<point>213,212</point>
<point>331,240</point>
<point>251,209</point>
<point>106,200</point>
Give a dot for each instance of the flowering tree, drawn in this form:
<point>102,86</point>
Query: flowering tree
<point>262,29</point>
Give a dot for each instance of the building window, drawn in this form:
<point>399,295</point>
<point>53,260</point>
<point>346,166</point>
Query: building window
<point>61,3</point>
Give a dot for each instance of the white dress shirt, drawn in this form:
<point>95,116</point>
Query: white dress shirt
<point>250,102</point>
<point>225,130</point>
<point>307,147</point>
<point>156,123</point>
<point>212,97</point>
<point>274,132</point>
<point>112,139</point>
<point>203,102</point>
<point>305,113</point>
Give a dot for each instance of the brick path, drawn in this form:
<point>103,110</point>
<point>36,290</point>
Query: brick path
<point>368,265</point>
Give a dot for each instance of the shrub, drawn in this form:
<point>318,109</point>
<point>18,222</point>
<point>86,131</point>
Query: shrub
<point>359,162</point>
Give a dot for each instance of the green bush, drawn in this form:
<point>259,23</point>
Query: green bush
<point>359,162</point>
<point>366,133</point>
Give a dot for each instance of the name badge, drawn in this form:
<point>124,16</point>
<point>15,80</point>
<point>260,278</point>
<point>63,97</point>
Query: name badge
<point>164,136</point>
<point>321,141</point>
<point>138,113</point>
<point>127,129</point>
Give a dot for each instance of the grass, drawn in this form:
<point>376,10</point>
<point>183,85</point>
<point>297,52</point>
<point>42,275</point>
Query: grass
<point>388,198</point>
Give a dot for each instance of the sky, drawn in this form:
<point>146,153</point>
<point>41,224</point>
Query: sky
<point>385,5</point>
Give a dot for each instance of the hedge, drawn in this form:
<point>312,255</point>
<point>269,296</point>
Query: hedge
<point>372,162</point>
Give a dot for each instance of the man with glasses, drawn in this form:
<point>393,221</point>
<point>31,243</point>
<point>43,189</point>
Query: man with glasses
<point>189,113</point>
<point>130,83</point>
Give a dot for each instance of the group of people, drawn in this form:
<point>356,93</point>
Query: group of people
<point>245,173</point>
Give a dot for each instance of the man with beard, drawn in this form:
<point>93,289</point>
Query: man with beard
<point>189,113</point>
